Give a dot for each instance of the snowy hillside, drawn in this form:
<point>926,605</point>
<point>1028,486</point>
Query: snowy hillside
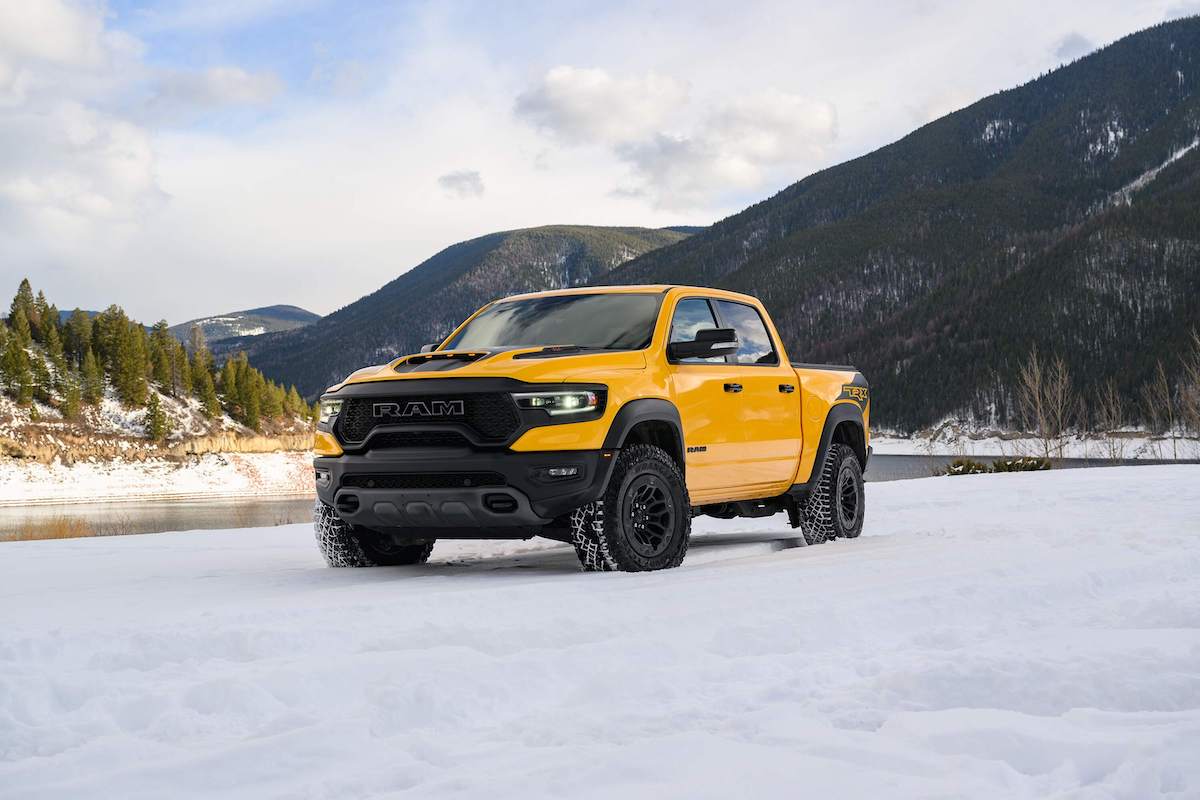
<point>1007,636</point>
<point>251,322</point>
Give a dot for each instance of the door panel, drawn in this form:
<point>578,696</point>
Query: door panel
<point>769,414</point>
<point>712,431</point>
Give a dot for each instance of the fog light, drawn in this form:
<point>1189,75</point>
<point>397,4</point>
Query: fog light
<point>562,472</point>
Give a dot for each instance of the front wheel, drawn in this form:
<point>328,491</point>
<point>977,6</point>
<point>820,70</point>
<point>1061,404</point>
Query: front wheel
<point>644,520</point>
<point>837,504</point>
<point>346,545</point>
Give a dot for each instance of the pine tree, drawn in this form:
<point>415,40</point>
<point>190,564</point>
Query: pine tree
<point>107,329</point>
<point>72,402</point>
<point>252,415</point>
<point>181,370</point>
<point>128,367</point>
<point>18,378</point>
<point>91,378</point>
<point>39,318</point>
<point>295,403</point>
<point>161,348</point>
<point>23,301</point>
<point>77,336</point>
<point>229,388</point>
<point>207,393</point>
<point>43,383</point>
<point>272,401</point>
<point>157,424</point>
<point>54,351</point>
<point>20,327</point>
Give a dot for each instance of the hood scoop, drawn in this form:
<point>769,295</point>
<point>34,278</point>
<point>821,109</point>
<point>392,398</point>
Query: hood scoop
<point>440,362</point>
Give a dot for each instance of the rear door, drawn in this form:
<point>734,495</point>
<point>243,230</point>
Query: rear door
<point>768,404</point>
<point>709,409</point>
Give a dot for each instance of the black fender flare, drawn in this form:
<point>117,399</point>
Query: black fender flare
<point>838,414</point>
<point>648,409</point>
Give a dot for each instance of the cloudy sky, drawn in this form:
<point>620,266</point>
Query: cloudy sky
<point>188,158</point>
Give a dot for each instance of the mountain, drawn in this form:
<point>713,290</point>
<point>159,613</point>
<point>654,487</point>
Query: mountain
<point>252,322</point>
<point>425,303</point>
<point>1064,213</point>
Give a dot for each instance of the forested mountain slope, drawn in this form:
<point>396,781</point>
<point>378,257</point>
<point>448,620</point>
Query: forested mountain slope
<point>1063,213</point>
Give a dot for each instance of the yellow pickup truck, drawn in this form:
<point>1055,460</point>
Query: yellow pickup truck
<point>606,417</point>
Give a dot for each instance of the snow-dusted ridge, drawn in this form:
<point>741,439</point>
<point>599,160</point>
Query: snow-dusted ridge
<point>999,636</point>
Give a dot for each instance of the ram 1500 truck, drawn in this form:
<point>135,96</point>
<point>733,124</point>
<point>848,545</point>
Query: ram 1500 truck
<point>606,417</point>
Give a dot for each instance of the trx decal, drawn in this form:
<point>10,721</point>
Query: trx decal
<point>859,394</point>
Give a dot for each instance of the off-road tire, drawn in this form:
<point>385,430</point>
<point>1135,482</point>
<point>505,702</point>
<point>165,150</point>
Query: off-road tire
<point>836,506</point>
<point>645,482</point>
<point>345,545</point>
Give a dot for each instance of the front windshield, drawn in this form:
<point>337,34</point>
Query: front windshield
<point>592,321</point>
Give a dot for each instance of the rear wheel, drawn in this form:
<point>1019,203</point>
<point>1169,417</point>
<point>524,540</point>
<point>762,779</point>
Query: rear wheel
<point>836,506</point>
<point>345,545</point>
<point>644,520</point>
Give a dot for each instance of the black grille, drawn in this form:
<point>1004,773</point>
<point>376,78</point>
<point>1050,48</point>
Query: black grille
<point>491,415</point>
<point>418,439</point>
<point>426,480</point>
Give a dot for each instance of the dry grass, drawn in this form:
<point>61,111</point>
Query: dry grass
<point>59,527</point>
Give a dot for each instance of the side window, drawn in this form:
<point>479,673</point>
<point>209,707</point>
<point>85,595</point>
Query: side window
<point>691,315</point>
<point>755,345</point>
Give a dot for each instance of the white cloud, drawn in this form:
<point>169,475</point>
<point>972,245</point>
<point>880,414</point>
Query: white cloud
<point>70,169</point>
<point>1188,8</point>
<point>52,31</point>
<point>1072,46</point>
<point>681,157</point>
<point>180,92</point>
<point>589,105</point>
<point>462,183</point>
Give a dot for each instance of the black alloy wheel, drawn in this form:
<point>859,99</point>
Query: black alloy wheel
<point>649,512</point>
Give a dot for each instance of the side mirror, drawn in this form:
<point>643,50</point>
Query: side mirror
<point>429,348</point>
<point>709,342</point>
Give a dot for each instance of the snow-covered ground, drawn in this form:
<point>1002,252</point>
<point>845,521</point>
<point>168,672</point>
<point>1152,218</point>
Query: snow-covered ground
<point>206,476</point>
<point>1008,636</point>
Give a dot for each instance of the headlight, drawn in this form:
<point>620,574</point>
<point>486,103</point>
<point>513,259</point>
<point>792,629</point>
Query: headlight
<point>330,409</point>
<point>556,403</point>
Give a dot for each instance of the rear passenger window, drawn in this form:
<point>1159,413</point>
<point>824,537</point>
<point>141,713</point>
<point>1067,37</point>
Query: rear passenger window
<point>691,315</point>
<point>754,343</point>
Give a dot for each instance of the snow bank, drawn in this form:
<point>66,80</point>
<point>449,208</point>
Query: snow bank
<point>1133,446</point>
<point>1006,636</point>
<point>205,476</point>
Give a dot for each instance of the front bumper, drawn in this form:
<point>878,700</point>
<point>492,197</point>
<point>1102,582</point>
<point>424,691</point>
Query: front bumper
<point>446,491</point>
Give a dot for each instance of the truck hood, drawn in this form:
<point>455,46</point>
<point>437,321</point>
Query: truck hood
<point>529,364</point>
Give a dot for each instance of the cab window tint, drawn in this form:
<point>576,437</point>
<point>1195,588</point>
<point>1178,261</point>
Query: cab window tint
<point>754,343</point>
<point>691,315</point>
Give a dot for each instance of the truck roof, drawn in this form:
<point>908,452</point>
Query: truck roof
<point>656,288</point>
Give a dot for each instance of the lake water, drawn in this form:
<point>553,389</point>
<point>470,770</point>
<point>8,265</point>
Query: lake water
<point>153,516</point>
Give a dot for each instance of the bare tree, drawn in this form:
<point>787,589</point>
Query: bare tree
<point>1189,391</point>
<point>1109,416</point>
<point>1158,406</point>
<point>1047,401</point>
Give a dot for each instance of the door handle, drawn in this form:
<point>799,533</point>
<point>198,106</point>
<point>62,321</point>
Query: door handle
<point>787,388</point>
<point>733,387</point>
